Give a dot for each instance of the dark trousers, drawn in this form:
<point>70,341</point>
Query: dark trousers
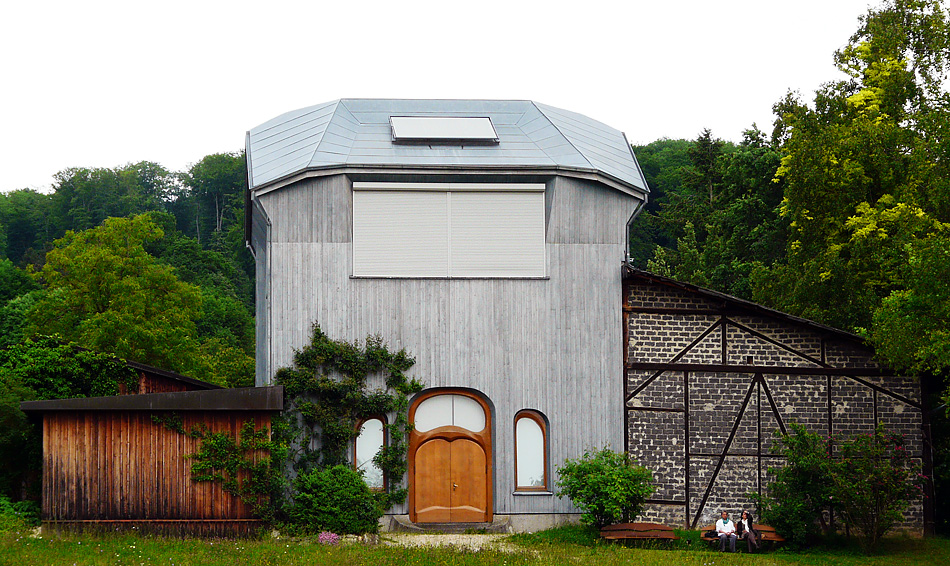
<point>750,540</point>
<point>722,542</point>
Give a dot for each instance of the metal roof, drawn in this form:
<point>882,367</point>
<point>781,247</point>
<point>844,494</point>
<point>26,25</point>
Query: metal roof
<point>631,272</point>
<point>243,399</point>
<point>356,133</point>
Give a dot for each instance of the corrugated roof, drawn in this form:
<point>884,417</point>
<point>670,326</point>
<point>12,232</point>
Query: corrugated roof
<point>356,133</point>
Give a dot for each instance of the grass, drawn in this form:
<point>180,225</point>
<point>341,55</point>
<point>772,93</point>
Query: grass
<point>576,546</point>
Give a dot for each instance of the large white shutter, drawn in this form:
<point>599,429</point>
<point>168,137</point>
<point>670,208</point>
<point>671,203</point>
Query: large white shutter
<point>400,234</point>
<point>497,234</point>
<point>448,230</point>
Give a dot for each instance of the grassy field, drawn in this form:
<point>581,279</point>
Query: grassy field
<point>567,546</point>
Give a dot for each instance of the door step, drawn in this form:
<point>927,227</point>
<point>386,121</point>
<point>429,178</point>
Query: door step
<point>401,523</point>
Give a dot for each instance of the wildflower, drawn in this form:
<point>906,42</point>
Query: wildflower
<point>326,537</point>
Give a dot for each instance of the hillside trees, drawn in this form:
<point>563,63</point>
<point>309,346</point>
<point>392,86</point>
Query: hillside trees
<point>717,221</point>
<point>104,291</point>
<point>867,194</point>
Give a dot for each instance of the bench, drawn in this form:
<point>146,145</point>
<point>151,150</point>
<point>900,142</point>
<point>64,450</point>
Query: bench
<point>766,534</point>
<point>638,531</point>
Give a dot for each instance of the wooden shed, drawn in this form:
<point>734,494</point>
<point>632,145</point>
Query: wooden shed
<point>107,464</point>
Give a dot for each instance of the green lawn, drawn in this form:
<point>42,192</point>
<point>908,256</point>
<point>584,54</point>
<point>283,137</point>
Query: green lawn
<point>570,546</point>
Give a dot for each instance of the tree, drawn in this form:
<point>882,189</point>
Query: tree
<point>45,368</point>
<point>105,292</point>
<point>877,140</point>
<point>26,217</point>
<point>218,183</point>
<point>84,198</point>
<point>724,220</point>
<point>801,490</point>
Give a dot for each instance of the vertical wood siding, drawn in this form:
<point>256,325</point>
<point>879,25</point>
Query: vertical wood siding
<point>551,345</point>
<point>120,469</point>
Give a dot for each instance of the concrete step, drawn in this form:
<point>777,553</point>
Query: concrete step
<point>401,523</point>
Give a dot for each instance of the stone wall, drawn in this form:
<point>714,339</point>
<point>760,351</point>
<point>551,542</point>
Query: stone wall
<point>706,431</point>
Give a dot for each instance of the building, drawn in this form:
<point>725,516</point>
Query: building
<point>487,238</point>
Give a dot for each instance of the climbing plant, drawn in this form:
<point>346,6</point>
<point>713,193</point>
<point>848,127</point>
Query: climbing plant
<point>326,397</point>
<point>247,467</point>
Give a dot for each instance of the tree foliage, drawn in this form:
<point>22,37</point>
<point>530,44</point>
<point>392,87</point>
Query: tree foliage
<point>870,146</point>
<point>874,481</point>
<point>105,292</point>
<point>45,368</point>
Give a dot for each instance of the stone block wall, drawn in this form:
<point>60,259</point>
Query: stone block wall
<point>710,380</point>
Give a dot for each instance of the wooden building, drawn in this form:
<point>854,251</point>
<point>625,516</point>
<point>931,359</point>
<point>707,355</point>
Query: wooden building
<point>107,465</point>
<point>486,238</point>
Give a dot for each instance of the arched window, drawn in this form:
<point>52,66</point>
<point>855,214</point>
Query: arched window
<point>531,451</point>
<point>369,442</point>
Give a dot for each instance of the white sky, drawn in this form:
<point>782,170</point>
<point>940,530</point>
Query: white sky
<point>101,84</point>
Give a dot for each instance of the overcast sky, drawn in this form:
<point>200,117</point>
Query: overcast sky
<point>102,84</point>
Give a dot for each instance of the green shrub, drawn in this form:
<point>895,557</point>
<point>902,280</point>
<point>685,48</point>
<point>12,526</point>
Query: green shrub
<point>607,486</point>
<point>17,515</point>
<point>802,488</point>
<point>874,481</point>
<point>334,499</point>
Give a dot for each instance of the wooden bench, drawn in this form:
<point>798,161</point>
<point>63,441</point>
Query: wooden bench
<point>766,534</point>
<point>638,531</point>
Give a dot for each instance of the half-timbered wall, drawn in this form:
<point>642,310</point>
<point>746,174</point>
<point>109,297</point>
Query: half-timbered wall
<point>549,344</point>
<point>708,383</point>
<point>119,469</point>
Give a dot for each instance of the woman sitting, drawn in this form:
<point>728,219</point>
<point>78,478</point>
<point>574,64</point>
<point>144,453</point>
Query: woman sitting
<point>745,530</point>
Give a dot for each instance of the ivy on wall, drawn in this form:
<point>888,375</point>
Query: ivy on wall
<point>327,388</point>
<point>246,467</point>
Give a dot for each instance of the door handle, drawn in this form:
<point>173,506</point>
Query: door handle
<point>454,485</point>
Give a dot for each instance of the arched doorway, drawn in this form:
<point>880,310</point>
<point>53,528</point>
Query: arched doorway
<point>450,472</point>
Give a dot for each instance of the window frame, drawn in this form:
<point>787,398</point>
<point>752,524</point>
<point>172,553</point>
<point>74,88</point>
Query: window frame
<point>359,427</point>
<point>542,423</point>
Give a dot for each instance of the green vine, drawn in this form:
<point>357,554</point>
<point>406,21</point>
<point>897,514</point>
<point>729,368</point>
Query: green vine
<point>223,459</point>
<point>326,387</point>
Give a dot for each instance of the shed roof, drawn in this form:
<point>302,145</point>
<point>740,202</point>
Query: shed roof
<point>356,133</point>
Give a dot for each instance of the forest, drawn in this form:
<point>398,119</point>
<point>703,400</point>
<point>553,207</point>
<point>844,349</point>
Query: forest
<point>839,214</point>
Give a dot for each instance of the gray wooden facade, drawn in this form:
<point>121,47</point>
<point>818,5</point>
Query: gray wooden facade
<point>550,344</point>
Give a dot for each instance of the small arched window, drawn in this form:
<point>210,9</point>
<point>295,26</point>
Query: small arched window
<point>531,451</point>
<point>369,442</point>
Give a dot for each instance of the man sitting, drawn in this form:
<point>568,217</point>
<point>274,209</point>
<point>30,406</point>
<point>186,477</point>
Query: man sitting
<point>726,530</point>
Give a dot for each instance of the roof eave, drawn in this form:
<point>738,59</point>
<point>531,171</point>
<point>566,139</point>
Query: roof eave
<point>578,172</point>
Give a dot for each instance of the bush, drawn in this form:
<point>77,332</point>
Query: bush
<point>334,499</point>
<point>608,486</point>
<point>873,483</point>
<point>17,515</point>
<point>802,489</point>
<point>870,484</point>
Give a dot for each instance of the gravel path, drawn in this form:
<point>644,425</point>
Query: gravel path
<point>464,542</point>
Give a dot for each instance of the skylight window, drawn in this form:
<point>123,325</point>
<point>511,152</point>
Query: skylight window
<point>443,129</point>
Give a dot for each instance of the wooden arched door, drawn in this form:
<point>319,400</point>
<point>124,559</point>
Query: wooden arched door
<point>450,458</point>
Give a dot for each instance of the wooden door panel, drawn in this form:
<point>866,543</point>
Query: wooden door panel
<point>469,481</point>
<point>432,482</point>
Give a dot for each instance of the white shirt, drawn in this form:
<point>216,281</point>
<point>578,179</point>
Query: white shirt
<point>725,528</point>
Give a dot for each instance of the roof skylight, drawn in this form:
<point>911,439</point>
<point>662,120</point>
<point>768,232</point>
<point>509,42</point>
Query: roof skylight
<point>443,129</point>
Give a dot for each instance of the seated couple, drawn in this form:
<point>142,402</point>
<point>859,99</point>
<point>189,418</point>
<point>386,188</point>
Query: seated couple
<point>729,531</point>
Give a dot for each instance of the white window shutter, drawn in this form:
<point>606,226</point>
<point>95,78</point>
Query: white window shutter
<point>400,234</point>
<point>497,234</point>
